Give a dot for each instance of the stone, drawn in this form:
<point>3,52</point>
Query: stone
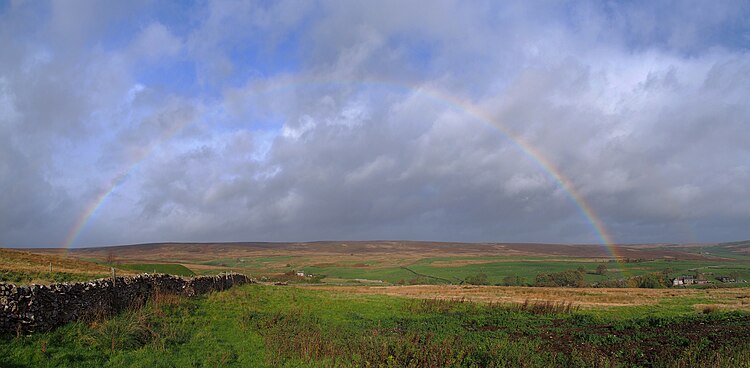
<point>40,308</point>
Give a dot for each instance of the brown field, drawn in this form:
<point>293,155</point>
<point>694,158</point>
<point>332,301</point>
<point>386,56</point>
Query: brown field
<point>21,261</point>
<point>337,251</point>
<point>735,299</point>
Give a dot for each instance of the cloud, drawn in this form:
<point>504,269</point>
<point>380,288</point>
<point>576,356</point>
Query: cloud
<point>356,120</point>
<point>156,41</point>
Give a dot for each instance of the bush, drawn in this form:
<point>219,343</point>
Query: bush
<point>569,278</point>
<point>478,279</point>
<point>513,281</point>
<point>649,281</point>
<point>601,269</point>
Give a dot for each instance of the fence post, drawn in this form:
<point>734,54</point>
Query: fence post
<point>114,279</point>
<point>50,267</point>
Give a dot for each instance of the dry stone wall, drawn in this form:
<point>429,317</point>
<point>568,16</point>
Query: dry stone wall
<point>32,308</point>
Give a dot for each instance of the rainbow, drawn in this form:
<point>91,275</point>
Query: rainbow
<point>537,156</point>
<point>121,178</point>
<point>466,107</point>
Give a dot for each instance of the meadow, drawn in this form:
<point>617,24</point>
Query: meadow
<point>456,270</point>
<point>397,305</point>
<point>404,263</point>
<point>258,325</point>
<point>168,268</point>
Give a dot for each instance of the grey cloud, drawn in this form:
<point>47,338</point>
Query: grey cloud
<point>354,144</point>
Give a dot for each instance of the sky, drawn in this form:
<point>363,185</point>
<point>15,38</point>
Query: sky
<point>488,121</point>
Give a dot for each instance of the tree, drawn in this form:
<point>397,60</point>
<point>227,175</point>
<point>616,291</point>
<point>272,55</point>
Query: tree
<point>570,278</point>
<point>110,259</point>
<point>651,281</point>
<point>601,269</point>
<point>513,281</point>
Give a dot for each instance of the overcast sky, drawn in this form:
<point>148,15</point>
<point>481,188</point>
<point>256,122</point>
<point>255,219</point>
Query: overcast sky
<point>140,121</point>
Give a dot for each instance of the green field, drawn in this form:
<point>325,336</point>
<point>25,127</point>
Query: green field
<point>528,269</point>
<point>258,326</point>
<point>443,270</point>
<point>169,268</point>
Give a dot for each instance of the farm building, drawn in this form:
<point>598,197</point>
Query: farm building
<point>688,280</point>
<point>726,279</point>
<point>683,280</point>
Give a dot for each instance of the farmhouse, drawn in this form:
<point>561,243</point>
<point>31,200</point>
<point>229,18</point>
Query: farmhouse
<point>683,280</point>
<point>690,280</point>
<point>726,279</point>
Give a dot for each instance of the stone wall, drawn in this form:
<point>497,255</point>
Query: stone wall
<point>34,308</point>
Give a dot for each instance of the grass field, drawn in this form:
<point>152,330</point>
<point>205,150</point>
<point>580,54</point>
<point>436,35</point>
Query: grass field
<point>442,270</point>
<point>353,313</point>
<point>255,325</point>
<point>169,268</point>
<point>652,301</point>
<point>409,262</point>
<point>391,263</point>
<point>21,267</point>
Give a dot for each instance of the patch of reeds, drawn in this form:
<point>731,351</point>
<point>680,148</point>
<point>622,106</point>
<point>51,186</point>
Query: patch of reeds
<point>540,307</point>
<point>436,305</point>
<point>708,309</point>
<point>143,323</point>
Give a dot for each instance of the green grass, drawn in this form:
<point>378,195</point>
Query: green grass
<point>168,268</point>
<point>497,268</point>
<point>257,326</point>
<point>529,269</point>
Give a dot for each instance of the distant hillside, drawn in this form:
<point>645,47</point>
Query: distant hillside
<point>739,246</point>
<point>192,252</point>
<point>735,250</point>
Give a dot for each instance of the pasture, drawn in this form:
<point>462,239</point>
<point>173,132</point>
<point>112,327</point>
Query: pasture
<point>378,305</point>
<point>271,326</point>
<point>168,268</point>
<point>405,263</point>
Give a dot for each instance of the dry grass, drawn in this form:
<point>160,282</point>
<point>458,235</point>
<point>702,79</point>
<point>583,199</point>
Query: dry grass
<point>196,267</point>
<point>14,260</point>
<point>583,297</point>
<point>38,266</point>
<point>544,307</point>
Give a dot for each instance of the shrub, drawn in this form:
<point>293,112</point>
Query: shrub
<point>649,281</point>
<point>569,278</point>
<point>478,279</point>
<point>513,281</point>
